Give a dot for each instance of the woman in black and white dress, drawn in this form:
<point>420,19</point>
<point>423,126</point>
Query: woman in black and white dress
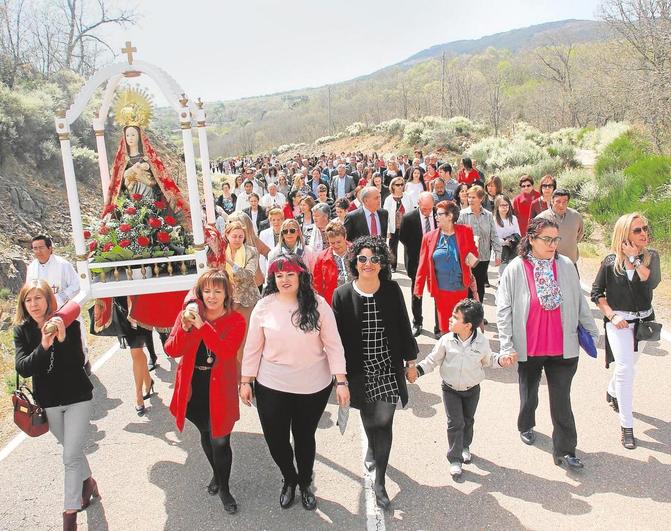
<point>375,330</point>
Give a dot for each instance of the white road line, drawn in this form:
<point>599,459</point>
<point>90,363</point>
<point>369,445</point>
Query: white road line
<point>20,437</point>
<point>666,336</point>
<point>374,515</point>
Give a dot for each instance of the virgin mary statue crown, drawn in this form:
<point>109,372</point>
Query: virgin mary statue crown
<point>133,107</point>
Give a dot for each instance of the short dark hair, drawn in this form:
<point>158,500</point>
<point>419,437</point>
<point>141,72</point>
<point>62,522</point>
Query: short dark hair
<point>343,203</point>
<point>447,168</point>
<point>47,241</point>
<point>451,208</point>
<point>525,179</point>
<point>472,311</point>
<point>467,162</point>
<point>561,192</point>
<point>379,248</point>
<point>254,194</point>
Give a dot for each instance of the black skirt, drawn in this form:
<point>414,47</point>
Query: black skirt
<point>198,407</point>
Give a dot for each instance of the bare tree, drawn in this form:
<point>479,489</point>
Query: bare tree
<point>12,39</point>
<point>557,63</point>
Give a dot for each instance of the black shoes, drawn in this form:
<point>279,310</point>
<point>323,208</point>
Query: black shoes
<point>528,437</point>
<point>140,410</point>
<point>287,495</point>
<point>213,487</point>
<point>230,505</point>
<point>437,333</point>
<point>416,329</point>
<point>151,391</point>
<point>308,498</point>
<point>628,440</point>
<point>571,461</point>
<point>369,460</point>
<point>381,497</point>
<point>152,365</point>
<point>613,402</point>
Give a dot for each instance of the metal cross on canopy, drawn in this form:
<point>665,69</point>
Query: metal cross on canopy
<point>129,50</point>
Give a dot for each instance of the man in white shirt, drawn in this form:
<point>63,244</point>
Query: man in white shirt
<point>59,274</point>
<point>243,199</point>
<point>273,198</point>
<point>271,235</point>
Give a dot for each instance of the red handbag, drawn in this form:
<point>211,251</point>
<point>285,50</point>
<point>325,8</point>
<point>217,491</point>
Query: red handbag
<point>28,415</point>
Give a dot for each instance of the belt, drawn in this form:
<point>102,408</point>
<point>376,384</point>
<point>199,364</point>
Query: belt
<point>203,367</point>
<point>458,390</point>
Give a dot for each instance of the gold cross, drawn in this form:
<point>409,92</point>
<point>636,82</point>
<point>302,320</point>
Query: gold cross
<point>129,50</point>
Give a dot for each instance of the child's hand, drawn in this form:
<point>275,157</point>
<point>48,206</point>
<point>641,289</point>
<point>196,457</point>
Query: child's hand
<point>411,374</point>
<point>507,361</point>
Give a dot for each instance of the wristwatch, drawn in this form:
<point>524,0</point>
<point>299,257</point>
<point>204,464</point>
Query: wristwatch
<point>632,259</point>
<point>345,382</point>
<point>637,263</point>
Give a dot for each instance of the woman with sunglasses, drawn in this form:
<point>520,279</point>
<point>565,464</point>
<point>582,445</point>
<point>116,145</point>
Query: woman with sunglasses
<point>539,305</point>
<point>375,330</point>
<point>292,385</point>
<point>397,204</point>
<point>544,201</point>
<point>293,242</point>
<point>623,290</point>
<point>522,202</point>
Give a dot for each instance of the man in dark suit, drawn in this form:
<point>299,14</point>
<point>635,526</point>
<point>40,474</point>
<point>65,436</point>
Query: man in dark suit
<point>414,226</point>
<point>370,218</point>
<point>256,213</point>
<point>315,180</point>
<point>342,185</point>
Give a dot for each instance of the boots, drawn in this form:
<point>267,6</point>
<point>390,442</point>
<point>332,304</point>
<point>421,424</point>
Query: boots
<point>69,521</point>
<point>627,438</point>
<point>89,491</point>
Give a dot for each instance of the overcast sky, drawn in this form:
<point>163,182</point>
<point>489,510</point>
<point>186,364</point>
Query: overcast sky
<point>222,50</point>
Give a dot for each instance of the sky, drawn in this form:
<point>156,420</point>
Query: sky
<point>222,50</point>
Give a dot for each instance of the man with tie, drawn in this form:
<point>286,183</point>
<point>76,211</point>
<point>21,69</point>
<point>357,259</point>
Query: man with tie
<point>414,226</point>
<point>370,218</point>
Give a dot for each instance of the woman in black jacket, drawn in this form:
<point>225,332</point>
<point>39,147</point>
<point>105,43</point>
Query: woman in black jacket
<point>375,330</point>
<point>60,385</point>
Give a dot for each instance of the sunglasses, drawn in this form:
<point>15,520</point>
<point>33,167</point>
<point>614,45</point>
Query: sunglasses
<point>289,231</point>
<point>362,259</point>
<point>638,230</point>
<point>526,186</point>
<point>549,241</point>
<point>398,184</point>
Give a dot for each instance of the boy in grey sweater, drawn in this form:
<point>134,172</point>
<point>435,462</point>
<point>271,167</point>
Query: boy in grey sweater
<point>461,357</point>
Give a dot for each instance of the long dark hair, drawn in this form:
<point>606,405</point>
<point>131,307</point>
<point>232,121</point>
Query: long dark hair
<point>535,227</point>
<point>378,247</point>
<point>306,317</point>
<point>500,199</point>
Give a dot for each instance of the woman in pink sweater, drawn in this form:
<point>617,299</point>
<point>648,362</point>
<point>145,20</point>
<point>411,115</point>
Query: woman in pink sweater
<point>292,353</point>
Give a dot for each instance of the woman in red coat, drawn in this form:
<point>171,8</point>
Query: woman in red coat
<point>443,265</point>
<point>206,390</point>
<point>330,269</point>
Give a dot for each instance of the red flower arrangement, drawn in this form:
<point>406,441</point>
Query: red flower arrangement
<point>143,241</point>
<point>154,223</point>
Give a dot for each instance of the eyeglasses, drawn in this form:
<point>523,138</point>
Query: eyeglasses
<point>527,185</point>
<point>549,241</point>
<point>289,231</point>
<point>638,230</point>
<point>547,185</point>
<point>362,259</point>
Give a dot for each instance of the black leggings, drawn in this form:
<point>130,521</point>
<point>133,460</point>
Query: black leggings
<point>220,456</point>
<point>480,274</point>
<point>280,412</point>
<point>378,419</point>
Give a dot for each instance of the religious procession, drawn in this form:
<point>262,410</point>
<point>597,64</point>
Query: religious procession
<point>276,283</point>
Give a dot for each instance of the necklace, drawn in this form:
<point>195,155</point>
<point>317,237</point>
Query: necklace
<point>210,356</point>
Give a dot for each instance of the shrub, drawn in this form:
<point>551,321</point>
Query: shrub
<point>394,127</point>
<point>565,152</point>
<point>325,139</point>
<point>574,179</point>
<point>85,161</point>
<point>622,152</point>
<point>599,139</point>
<point>413,133</point>
<point>356,129</point>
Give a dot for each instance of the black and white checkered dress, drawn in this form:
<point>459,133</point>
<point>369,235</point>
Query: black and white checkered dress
<point>380,379</point>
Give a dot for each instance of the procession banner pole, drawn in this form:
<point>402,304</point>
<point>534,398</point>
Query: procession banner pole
<point>205,163</point>
<point>191,175</point>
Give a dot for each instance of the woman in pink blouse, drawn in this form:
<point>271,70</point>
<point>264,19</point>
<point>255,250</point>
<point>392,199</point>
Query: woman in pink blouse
<point>292,385</point>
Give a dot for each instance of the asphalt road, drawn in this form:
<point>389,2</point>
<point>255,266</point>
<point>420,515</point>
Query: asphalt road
<point>153,477</point>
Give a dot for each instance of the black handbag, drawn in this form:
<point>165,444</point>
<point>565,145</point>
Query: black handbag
<point>509,251</point>
<point>645,330</point>
<point>119,326</point>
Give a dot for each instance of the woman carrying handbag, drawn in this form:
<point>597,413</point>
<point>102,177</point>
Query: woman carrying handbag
<point>55,361</point>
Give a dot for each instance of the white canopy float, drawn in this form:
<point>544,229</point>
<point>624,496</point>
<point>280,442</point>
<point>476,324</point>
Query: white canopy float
<point>116,278</point>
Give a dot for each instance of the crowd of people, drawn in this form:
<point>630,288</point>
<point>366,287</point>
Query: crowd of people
<point>305,303</point>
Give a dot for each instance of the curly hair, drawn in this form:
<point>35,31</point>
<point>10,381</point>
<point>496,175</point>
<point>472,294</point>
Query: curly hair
<point>534,228</point>
<point>378,247</point>
<point>306,317</point>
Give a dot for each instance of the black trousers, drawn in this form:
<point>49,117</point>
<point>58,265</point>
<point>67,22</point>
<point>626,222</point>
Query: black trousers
<point>480,274</point>
<point>416,307</point>
<point>460,409</point>
<point>559,373</point>
<point>280,413</point>
<point>393,247</point>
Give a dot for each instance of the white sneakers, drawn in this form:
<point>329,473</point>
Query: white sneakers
<point>466,455</point>
<point>455,470</point>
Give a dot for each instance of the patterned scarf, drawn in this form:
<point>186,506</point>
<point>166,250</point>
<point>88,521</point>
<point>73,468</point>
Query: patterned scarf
<point>547,287</point>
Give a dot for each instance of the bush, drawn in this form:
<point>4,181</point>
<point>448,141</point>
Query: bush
<point>394,127</point>
<point>565,152</point>
<point>85,161</point>
<point>356,129</point>
<point>622,152</point>
<point>599,139</point>
<point>412,134</point>
<point>325,139</point>
<point>574,179</point>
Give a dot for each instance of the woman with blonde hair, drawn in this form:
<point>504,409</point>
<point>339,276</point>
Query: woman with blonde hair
<point>397,204</point>
<point>623,290</point>
<point>55,361</point>
<point>252,239</point>
<point>292,241</point>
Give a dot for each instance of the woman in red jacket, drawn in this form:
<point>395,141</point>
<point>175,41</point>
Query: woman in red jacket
<point>330,269</point>
<point>443,265</point>
<point>206,390</point>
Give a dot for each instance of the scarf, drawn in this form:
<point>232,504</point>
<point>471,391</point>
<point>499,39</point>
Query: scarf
<point>240,259</point>
<point>547,287</point>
